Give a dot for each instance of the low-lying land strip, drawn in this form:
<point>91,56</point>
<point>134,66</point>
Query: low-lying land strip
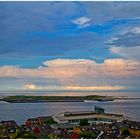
<point>38,99</point>
<point>25,99</point>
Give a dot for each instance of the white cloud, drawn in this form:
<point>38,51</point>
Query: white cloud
<point>30,86</point>
<point>82,21</point>
<point>71,68</point>
<point>75,74</point>
<point>94,88</point>
<point>66,62</point>
<point>136,30</point>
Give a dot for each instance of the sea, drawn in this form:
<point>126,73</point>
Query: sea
<point>20,112</point>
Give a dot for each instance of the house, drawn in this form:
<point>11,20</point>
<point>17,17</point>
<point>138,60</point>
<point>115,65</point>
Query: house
<point>32,122</point>
<point>132,126</point>
<point>74,136</point>
<point>41,130</point>
<point>25,128</point>
<point>107,129</point>
<point>64,126</point>
<point>9,124</point>
<point>129,124</point>
<point>7,128</point>
<point>44,129</point>
<point>36,130</point>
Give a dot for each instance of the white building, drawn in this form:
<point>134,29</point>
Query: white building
<point>91,116</point>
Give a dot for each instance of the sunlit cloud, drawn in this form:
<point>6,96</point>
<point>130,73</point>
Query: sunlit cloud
<point>30,86</point>
<point>75,74</point>
<point>95,88</point>
<point>68,68</point>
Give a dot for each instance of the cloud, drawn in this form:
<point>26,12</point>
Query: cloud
<point>30,86</point>
<point>94,88</point>
<point>129,53</point>
<point>70,68</point>
<point>68,62</point>
<point>75,74</point>
<point>82,21</point>
<point>127,38</point>
<point>126,44</point>
<point>136,30</point>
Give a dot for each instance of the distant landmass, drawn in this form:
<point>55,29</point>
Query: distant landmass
<point>27,99</point>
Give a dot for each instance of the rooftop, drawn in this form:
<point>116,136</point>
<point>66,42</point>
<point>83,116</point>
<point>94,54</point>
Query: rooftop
<point>86,115</point>
<point>63,126</point>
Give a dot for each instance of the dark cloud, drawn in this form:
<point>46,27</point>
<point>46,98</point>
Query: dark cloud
<point>128,39</point>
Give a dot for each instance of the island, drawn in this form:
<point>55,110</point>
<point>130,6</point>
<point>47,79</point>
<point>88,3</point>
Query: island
<point>38,99</point>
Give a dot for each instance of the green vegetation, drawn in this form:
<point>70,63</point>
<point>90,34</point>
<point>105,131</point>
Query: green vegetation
<point>25,135</point>
<point>49,120</point>
<point>22,98</point>
<point>125,132</point>
<point>84,122</point>
<point>22,135</point>
<point>53,136</point>
<point>88,135</point>
<point>94,97</point>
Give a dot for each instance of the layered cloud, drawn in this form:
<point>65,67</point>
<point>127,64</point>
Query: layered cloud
<point>70,68</point>
<point>127,44</point>
<point>31,86</point>
<point>130,53</point>
<point>129,38</point>
<point>94,88</point>
<point>76,74</point>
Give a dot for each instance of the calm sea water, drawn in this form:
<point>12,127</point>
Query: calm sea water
<point>22,111</point>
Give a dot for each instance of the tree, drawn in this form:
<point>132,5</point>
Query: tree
<point>22,135</point>
<point>50,121</point>
<point>126,132</point>
<point>84,122</point>
<point>53,136</point>
<point>88,135</point>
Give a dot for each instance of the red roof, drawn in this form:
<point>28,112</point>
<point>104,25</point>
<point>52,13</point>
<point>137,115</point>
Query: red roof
<point>75,136</point>
<point>36,130</point>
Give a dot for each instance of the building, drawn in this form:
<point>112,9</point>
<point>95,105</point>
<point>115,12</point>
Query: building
<point>25,128</point>
<point>64,126</point>
<point>32,121</point>
<point>99,110</point>
<point>9,124</point>
<point>132,126</point>
<point>7,128</point>
<point>91,116</point>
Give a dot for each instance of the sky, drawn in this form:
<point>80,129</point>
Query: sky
<point>69,46</point>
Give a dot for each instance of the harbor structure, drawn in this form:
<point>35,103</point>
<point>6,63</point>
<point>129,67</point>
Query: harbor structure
<point>92,117</point>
